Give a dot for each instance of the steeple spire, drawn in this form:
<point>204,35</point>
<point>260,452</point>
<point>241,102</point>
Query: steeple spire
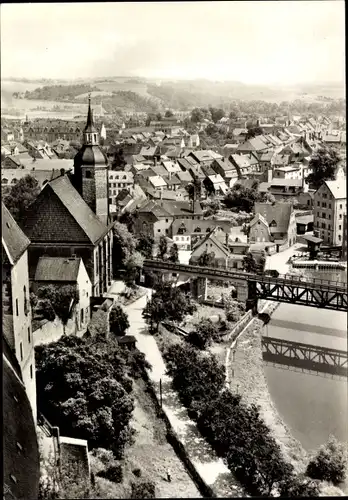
<point>90,132</point>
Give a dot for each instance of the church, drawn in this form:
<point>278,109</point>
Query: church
<point>70,217</point>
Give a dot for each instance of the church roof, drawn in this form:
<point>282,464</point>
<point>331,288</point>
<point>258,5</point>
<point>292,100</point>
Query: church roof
<point>14,241</point>
<point>90,155</point>
<point>48,217</point>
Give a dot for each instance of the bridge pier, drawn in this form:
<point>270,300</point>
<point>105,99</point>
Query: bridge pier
<point>199,289</point>
<point>251,302</point>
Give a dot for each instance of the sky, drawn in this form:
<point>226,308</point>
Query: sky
<point>279,42</point>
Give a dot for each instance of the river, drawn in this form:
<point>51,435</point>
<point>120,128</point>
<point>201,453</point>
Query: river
<point>312,405</point>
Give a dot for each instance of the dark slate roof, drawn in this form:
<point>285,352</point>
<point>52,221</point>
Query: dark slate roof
<point>14,240</point>
<point>60,214</point>
<point>20,447</point>
<point>57,269</point>
<point>90,155</point>
<point>278,212</point>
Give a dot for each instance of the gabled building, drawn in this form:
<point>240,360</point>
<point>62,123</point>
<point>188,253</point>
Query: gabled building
<point>330,207</point>
<point>61,224</point>
<point>16,318</point>
<point>273,223</point>
<point>64,271</point>
<point>187,233</point>
<point>215,185</point>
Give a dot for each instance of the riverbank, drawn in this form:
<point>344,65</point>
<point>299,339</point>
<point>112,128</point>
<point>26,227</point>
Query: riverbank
<point>246,376</point>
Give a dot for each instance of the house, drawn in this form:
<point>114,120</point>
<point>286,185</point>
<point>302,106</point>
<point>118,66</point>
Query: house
<point>283,188</point>
<point>202,157</point>
<point>170,166</point>
<point>214,184</point>
<point>11,176</point>
<point>119,180</point>
<point>192,141</point>
<point>288,172</point>
<point>273,223</point>
<point>16,317</point>
<point>224,168</point>
<point>304,223</point>
<point>330,207</point>
<point>252,145</point>
<point>7,135</point>
<point>59,223</point>
<point>155,218</point>
<point>218,251</point>
<point>157,182</point>
<point>242,165</point>
<point>61,271</point>
<point>305,199</point>
<point>186,233</point>
<point>173,182</point>
<point>20,457</point>
<point>184,177</point>
<point>239,135</point>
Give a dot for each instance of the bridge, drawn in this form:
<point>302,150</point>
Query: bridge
<point>284,288</point>
<point>306,356</point>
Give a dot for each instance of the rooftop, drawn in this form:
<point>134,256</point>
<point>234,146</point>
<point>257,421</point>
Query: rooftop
<point>57,269</point>
<point>14,241</point>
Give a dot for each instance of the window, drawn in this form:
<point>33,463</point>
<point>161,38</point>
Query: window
<point>166,220</point>
<point>339,227</point>
<point>340,216</point>
<point>323,215</point>
<point>329,226</point>
<point>158,230</point>
<point>26,310</point>
<point>4,181</point>
<point>29,339</point>
<point>17,313</point>
<point>21,350</point>
<point>88,174</point>
<point>318,203</point>
<point>31,371</point>
<point>339,237</point>
<point>82,316</point>
<point>323,225</point>
<point>329,205</point>
<point>340,206</point>
<point>86,313</point>
<point>323,204</point>
<point>329,216</point>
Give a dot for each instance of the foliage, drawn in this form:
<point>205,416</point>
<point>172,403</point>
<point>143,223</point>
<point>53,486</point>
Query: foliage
<point>118,162</point>
<point>145,245</point>
<point>194,189</point>
<point>113,473</point>
<point>124,244</point>
<point>211,207</point>
<point>61,298</point>
<point>200,114</point>
<point>216,114</point>
<point>128,220</point>
<point>45,309</point>
<point>299,486</point>
<point>84,387</point>
<point>206,331</point>
<point>174,253</point>
<point>98,325</point>
<point>118,321</point>
<point>169,113</point>
<point>20,196</point>
<point>206,259</point>
<point>250,265</point>
<point>233,309</point>
<point>133,265</point>
<point>167,303</point>
<point>143,489</point>
<point>253,132</point>
<point>242,198</point>
<point>195,375</point>
<point>162,247</point>
<point>323,165</point>
<point>60,92</point>
<point>330,462</point>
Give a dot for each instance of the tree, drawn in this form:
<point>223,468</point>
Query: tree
<point>209,187</point>
<point>167,303</point>
<point>124,244</point>
<point>254,131</point>
<point>205,333</point>
<point>162,247</point>
<point>330,462</point>
<point>169,113</point>
<point>206,259</point>
<point>128,219</point>
<point>174,253</point>
<point>118,162</point>
<point>145,245</point>
<point>194,189</point>
<point>199,114</point>
<point>212,207</point>
<point>143,489</point>
<point>118,321</point>
<point>249,263</point>
<point>242,198</point>
<point>84,387</point>
<point>323,165</point>
<point>62,298</point>
<point>21,196</point>
<point>233,309</point>
<point>299,486</point>
<point>133,266</point>
<point>216,114</point>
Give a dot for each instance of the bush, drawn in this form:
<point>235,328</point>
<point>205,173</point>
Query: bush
<point>113,473</point>
<point>206,332</point>
<point>137,472</point>
<point>118,321</point>
<point>144,489</point>
<point>330,463</point>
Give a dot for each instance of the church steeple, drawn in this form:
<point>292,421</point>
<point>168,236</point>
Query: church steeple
<point>90,133</point>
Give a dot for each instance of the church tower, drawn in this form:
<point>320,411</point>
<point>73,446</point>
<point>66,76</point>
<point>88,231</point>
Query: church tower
<point>91,171</point>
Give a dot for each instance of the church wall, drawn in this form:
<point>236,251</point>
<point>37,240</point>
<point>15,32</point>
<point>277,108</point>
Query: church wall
<point>101,193</point>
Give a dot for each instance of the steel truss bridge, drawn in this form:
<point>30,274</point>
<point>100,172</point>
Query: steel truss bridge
<point>310,357</point>
<point>284,288</point>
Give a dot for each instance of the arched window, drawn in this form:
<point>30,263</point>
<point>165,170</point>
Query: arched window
<point>197,230</point>
<point>14,181</point>
<point>4,181</point>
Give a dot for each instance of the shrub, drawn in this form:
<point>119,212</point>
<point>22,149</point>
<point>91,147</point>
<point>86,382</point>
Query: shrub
<point>113,473</point>
<point>206,332</point>
<point>144,489</point>
<point>118,321</point>
<point>330,463</point>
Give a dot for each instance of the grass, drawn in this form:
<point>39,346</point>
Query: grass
<point>151,453</point>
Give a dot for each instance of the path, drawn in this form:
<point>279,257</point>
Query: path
<point>211,468</point>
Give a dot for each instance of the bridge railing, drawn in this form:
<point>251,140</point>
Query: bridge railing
<point>229,273</point>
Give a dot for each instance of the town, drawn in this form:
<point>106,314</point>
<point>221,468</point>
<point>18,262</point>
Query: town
<point>158,267</point>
